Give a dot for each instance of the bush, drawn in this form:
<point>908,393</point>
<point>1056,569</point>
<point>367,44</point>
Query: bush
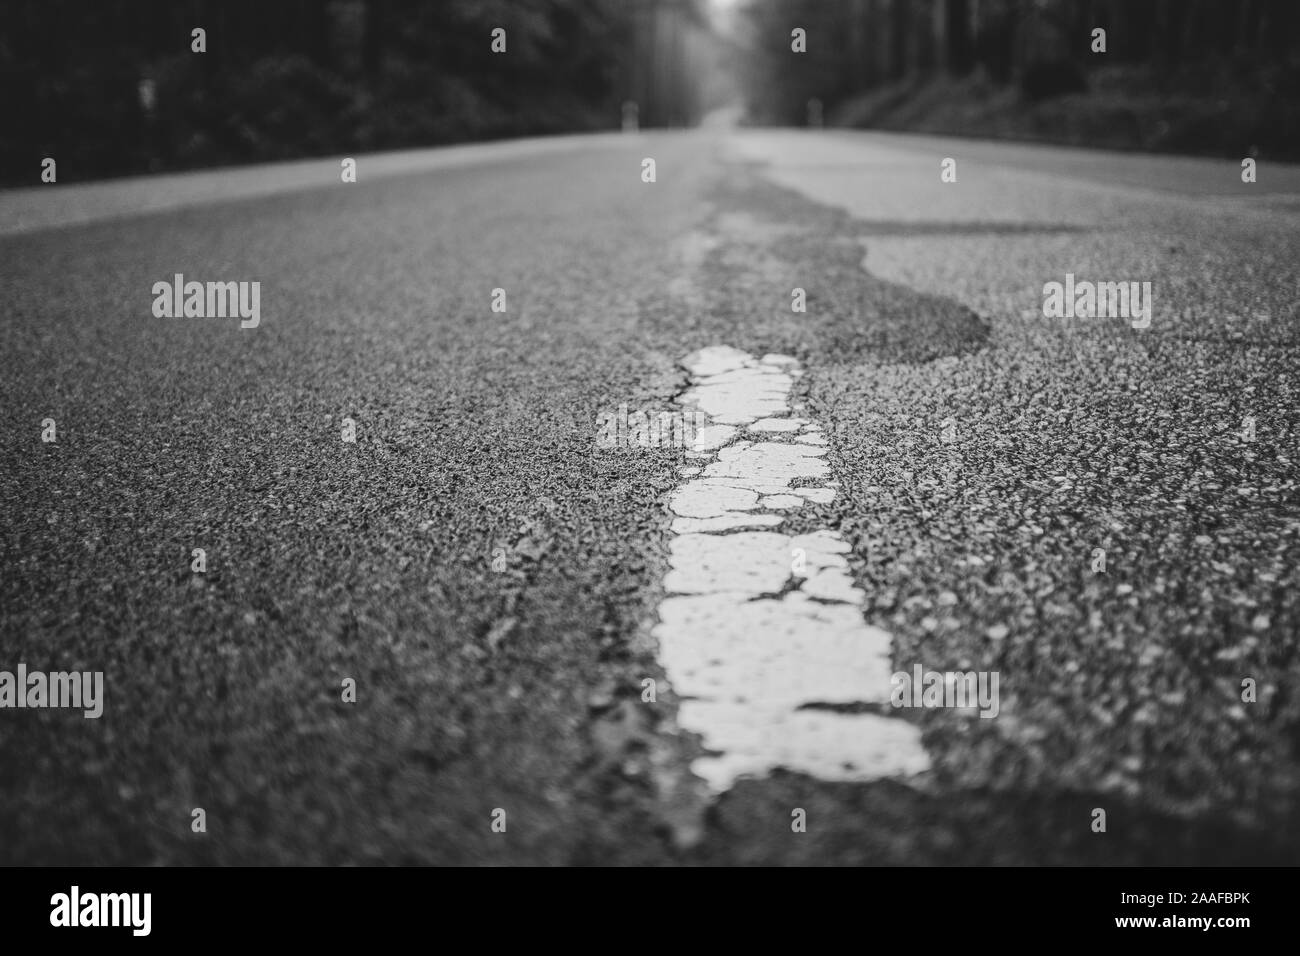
<point>1045,79</point>
<point>285,107</point>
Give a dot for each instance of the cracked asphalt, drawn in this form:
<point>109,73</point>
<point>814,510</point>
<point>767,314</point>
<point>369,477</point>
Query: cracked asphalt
<point>489,577</point>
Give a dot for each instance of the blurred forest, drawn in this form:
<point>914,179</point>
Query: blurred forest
<point>111,87</point>
<point>1210,76</point>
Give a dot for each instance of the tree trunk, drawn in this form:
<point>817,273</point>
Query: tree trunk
<point>956,28</point>
<point>898,39</point>
<point>372,42</point>
<point>314,26</point>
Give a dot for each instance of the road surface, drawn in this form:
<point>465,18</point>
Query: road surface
<point>499,587</point>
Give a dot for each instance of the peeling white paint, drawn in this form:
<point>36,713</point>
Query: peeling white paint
<point>758,623</point>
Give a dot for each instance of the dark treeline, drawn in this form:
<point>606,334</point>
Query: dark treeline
<point>1042,48</point>
<point>113,86</point>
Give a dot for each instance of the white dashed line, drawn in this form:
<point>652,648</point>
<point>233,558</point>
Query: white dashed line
<point>757,624</point>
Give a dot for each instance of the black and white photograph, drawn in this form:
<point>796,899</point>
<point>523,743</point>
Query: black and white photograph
<point>650,433</point>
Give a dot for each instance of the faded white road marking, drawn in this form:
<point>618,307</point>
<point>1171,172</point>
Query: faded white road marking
<point>759,624</point>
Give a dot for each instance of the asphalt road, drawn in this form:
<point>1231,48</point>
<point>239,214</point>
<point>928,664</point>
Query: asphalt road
<point>489,577</point>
